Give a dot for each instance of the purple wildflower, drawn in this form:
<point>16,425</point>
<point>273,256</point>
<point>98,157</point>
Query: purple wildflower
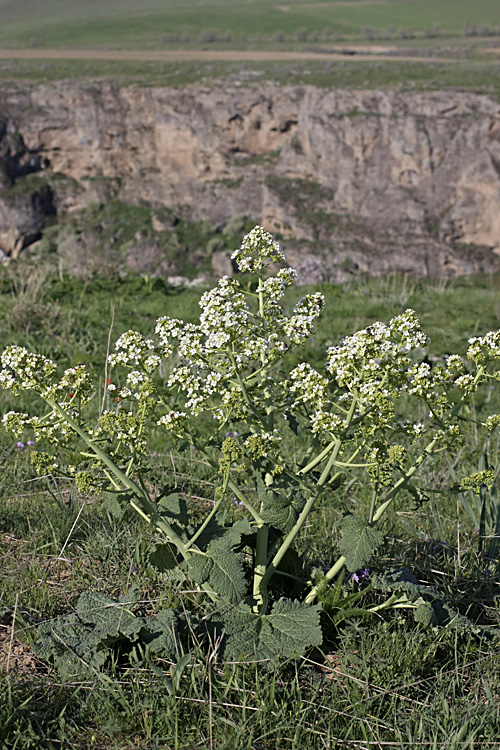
<point>19,446</point>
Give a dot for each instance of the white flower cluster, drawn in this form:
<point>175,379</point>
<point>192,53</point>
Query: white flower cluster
<point>133,349</point>
<point>51,427</point>
<point>375,359</point>
<point>485,347</point>
<point>225,314</point>
<point>307,387</point>
<point>258,249</point>
<point>275,286</point>
<point>299,328</point>
<point>24,371</point>
<point>173,420</point>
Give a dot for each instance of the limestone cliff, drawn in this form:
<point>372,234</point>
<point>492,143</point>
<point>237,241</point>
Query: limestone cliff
<point>370,180</point>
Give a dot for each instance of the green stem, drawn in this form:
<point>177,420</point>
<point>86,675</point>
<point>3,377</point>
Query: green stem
<point>149,513</point>
<point>321,457</point>
<point>330,575</point>
<point>335,569</point>
<point>256,516</point>
<point>259,591</point>
<point>291,536</point>
<point>212,513</point>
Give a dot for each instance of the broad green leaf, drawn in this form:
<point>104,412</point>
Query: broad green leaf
<point>173,508</point>
<point>358,542</point>
<point>289,629</point>
<point>222,568</point>
<point>215,529</point>
<point>166,560</point>
<point>83,641</point>
<point>163,634</point>
<point>72,646</point>
<point>98,609</point>
<point>116,502</point>
<point>282,511</point>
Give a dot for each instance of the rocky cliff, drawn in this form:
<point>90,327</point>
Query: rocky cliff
<point>375,181</point>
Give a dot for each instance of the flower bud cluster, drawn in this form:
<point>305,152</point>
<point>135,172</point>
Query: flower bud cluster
<point>125,427</point>
<point>478,480</point>
<point>257,250</point>
<point>261,446</point>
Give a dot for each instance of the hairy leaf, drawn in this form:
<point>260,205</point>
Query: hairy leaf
<point>117,502</point>
<point>215,529</point>
<point>282,511</point>
<point>82,642</point>
<point>174,509</point>
<point>222,568</point>
<point>289,629</point>
<point>99,610</point>
<point>358,542</point>
<point>166,560</point>
<point>163,630</point>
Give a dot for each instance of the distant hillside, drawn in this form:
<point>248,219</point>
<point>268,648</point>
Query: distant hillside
<point>239,23</point>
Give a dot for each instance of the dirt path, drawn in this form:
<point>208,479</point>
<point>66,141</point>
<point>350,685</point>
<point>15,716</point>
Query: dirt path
<point>351,53</point>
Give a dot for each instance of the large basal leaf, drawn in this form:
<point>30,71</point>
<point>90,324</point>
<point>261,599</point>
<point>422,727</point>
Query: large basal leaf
<point>221,566</point>
<point>215,529</point>
<point>99,610</point>
<point>358,542</point>
<point>72,646</point>
<point>83,641</point>
<point>288,630</point>
<point>163,635</point>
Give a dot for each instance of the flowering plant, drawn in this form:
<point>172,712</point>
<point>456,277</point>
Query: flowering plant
<point>231,366</point>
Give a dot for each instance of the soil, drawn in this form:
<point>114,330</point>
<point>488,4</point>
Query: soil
<point>369,52</point>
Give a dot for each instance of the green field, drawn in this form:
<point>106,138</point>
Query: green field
<point>117,23</point>
<point>387,682</point>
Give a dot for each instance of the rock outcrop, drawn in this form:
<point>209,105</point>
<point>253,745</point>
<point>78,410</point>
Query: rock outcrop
<point>376,181</point>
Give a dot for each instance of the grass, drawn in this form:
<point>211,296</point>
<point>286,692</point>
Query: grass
<point>116,23</point>
<point>433,75</point>
<point>384,683</point>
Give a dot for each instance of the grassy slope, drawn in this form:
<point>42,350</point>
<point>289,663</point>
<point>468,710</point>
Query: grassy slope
<point>113,22</point>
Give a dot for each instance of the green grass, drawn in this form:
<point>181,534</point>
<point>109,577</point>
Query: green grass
<point>116,23</point>
<point>388,682</point>
<point>477,76</point>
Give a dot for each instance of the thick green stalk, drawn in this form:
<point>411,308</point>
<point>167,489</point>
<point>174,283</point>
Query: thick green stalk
<point>297,527</point>
<point>259,592</point>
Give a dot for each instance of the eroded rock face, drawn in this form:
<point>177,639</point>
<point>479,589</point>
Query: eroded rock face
<point>371,180</point>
